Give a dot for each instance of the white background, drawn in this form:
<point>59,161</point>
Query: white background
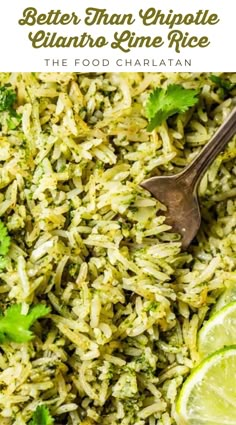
<point>17,54</point>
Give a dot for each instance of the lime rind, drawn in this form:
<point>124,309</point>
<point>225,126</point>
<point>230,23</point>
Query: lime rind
<point>216,332</point>
<point>184,409</point>
<point>228,296</point>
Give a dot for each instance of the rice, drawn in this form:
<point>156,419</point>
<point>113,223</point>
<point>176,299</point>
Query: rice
<point>126,302</point>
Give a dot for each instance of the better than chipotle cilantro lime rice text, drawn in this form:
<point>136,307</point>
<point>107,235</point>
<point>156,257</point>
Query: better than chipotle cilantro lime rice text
<point>100,308</point>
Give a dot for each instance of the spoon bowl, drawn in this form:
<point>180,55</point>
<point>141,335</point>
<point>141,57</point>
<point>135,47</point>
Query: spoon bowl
<point>183,212</point>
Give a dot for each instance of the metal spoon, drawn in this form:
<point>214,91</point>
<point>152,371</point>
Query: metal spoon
<point>179,192</point>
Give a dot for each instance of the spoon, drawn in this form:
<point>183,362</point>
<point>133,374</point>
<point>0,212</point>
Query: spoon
<point>179,192</point>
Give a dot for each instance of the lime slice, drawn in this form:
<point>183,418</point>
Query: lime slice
<point>218,332</point>
<point>208,396</point>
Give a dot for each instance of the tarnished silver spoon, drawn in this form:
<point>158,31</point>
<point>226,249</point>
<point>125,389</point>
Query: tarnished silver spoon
<point>179,192</point>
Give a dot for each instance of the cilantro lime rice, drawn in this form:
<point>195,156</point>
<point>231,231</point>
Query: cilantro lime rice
<point>119,305</point>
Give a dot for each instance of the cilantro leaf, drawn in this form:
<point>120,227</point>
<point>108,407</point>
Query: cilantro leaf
<point>42,416</point>
<point>162,103</point>
<point>15,326</point>
<point>4,244</point>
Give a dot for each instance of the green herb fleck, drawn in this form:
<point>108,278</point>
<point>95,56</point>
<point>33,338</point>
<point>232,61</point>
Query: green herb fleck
<point>153,305</point>
<point>4,245</point>
<point>224,85</point>
<point>7,102</point>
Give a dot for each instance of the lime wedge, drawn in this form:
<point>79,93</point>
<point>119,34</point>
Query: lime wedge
<point>218,332</point>
<point>208,396</point>
<point>226,297</point>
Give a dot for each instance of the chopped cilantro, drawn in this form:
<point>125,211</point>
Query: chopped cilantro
<point>4,244</point>
<point>15,326</point>
<point>224,85</point>
<point>162,103</point>
<point>7,101</point>
<point>41,416</point>
<point>7,98</point>
<point>152,306</point>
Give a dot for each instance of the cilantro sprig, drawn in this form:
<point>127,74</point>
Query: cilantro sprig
<point>15,326</point>
<point>162,103</point>
<point>4,245</point>
<point>41,416</point>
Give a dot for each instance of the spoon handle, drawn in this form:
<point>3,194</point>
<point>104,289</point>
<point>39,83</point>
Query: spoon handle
<point>193,173</point>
